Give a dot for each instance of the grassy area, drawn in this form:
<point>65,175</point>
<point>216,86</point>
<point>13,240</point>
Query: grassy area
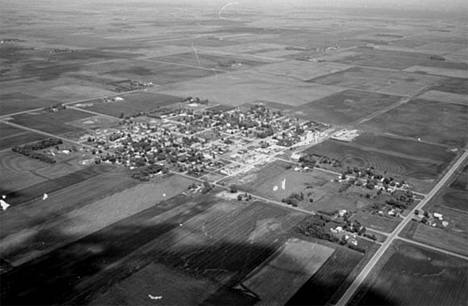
<point>262,182</point>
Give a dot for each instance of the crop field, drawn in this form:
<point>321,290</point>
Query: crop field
<point>409,147</point>
<point>175,287</point>
<point>60,201</point>
<point>401,89</point>
<point>208,61</point>
<point>150,71</point>
<point>448,97</point>
<point>292,265</point>
<point>443,123</point>
<point>104,235</point>
<point>454,195</point>
<point>11,136</point>
<point>453,85</point>
<point>452,239</point>
<point>301,70</point>
<point>347,106</point>
<point>193,237</point>
<point>354,156</point>
<point>374,80</point>
<point>133,103</point>
<point>461,180</point>
<point>417,276</point>
<point>51,122</point>
<point>454,73</point>
<point>17,102</point>
<point>322,287</point>
<point>240,87</point>
<point>16,172</point>
<point>115,202</point>
<point>385,59</point>
<point>20,196</point>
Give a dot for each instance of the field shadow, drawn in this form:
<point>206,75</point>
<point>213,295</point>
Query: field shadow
<point>74,273</point>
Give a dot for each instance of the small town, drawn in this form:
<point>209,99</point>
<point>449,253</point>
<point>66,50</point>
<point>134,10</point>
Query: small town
<point>201,140</point>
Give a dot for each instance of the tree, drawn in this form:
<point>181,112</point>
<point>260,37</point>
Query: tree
<point>239,197</point>
<point>233,189</point>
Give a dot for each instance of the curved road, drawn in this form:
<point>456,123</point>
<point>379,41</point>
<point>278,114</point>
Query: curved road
<point>394,235</point>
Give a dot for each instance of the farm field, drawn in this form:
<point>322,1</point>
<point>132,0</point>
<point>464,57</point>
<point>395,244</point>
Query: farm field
<point>240,87</point>
<point>16,170</point>
<point>420,172</point>
<point>404,146</point>
<point>453,195</point>
<point>448,97</point>
<point>198,247</point>
<point>268,282</point>
<point>12,136</point>
<point>70,176</point>
<point>417,276</point>
<point>208,61</point>
<point>347,106</point>
<point>51,122</point>
<point>408,120</point>
<point>17,102</point>
<point>301,70</point>
<point>439,71</point>
<point>331,278</point>
<point>453,85</point>
<point>149,71</point>
<point>454,238</point>
<point>139,210</point>
<point>450,201</point>
<point>133,103</point>
<point>385,59</point>
<point>119,200</point>
<point>373,80</point>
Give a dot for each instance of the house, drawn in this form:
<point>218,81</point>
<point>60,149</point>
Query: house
<point>296,156</point>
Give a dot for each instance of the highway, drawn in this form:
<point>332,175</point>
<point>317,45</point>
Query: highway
<point>394,235</point>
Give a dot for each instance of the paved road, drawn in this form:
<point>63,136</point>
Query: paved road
<point>394,235</point>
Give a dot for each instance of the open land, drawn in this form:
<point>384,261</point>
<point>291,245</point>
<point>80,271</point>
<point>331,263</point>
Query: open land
<point>411,270</point>
<point>450,203</point>
<point>248,154</point>
<point>441,123</point>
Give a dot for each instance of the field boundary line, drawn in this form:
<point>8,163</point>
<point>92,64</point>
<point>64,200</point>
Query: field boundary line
<point>451,253</point>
